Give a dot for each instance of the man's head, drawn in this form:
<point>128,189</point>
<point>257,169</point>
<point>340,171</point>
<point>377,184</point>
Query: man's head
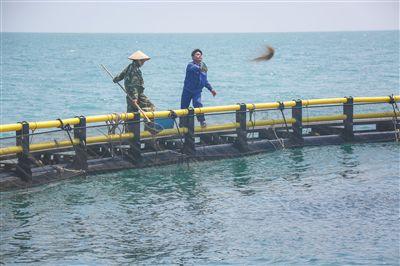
<point>197,55</point>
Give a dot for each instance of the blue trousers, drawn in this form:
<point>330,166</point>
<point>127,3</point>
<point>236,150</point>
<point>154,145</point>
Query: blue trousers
<point>188,96</point>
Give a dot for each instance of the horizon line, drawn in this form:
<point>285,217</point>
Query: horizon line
<point>217,32</point>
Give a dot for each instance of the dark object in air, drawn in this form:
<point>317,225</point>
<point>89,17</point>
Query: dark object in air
<point>267,55</point>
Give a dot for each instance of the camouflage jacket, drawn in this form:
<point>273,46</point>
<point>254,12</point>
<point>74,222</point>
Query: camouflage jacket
<point>133,79</point>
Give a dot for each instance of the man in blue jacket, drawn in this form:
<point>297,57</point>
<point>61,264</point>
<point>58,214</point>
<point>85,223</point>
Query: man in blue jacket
<point>195,81</point>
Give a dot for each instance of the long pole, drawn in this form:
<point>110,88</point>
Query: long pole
<point>130,98</point>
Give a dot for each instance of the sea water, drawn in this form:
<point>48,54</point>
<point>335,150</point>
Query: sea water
<point>330,205</point>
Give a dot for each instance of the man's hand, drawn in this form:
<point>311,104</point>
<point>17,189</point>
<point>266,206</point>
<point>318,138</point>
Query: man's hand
<point>135,102</point>
<point>213,92</point>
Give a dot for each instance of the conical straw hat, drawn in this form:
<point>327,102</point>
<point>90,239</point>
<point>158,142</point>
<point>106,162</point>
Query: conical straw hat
<point>139,55</point>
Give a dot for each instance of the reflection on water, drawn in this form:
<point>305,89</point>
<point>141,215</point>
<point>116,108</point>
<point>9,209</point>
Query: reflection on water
<point>297,165</point>
<point>242,176</point>
<point>349,162</point>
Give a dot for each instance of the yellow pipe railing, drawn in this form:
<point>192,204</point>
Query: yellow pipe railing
<point>323,101</point>
<point>70,121</point>
<point>174,132</point>
<point>323,118</point>
<point>375,115</point>
<point>10,150</point>
<point>144,135</point>
<point>183,112</point>
<point>382,99</point>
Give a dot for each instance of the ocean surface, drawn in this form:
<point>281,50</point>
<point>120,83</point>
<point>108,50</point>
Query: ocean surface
<point>334,205</point>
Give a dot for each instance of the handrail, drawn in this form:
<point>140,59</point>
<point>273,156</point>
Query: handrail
<point>183,130</point>
<point>70,121</point>
<point>202,110</point>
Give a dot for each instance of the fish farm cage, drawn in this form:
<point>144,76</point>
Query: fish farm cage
<point>33,153</point>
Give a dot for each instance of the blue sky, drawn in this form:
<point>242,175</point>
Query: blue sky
<point>197,16</point>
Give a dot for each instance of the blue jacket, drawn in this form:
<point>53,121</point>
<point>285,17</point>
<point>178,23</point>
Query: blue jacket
<point>196,78</point>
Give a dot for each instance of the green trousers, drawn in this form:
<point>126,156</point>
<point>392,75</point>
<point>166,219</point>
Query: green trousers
<point>143,103</point>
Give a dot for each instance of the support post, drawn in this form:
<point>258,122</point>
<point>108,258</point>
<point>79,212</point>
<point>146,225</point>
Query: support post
<point>133,126</point>
<point>297,126</point>
<point>23,168</point>
<point>189,145</point>
<point>348,110</point>
<point>241,132</point>
<point>80,161</point>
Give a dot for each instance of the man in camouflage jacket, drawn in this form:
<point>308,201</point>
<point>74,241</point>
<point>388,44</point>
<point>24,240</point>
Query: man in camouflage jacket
<point>134,84</point>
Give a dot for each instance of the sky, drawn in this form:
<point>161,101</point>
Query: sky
<point>165,16</point>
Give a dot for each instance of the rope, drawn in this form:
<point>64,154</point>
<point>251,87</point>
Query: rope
<point>174,116</point>
<point>394,118</point>
<point>32,134</point>
<point>108,141</point>
<point>185,158</point>
<point>252,114</point>
<point>280,140</point>
<point>39,163</point>
<point>151,127</point>
<point>308,116</point>
<point>112,125</point>
<point>67,128</point>
<point>281,107</point>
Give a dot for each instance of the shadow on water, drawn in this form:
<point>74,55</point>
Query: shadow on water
<point>349,161</point>
<point>242,176</point>
<point>240,171</point>
<point>297,166</point>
